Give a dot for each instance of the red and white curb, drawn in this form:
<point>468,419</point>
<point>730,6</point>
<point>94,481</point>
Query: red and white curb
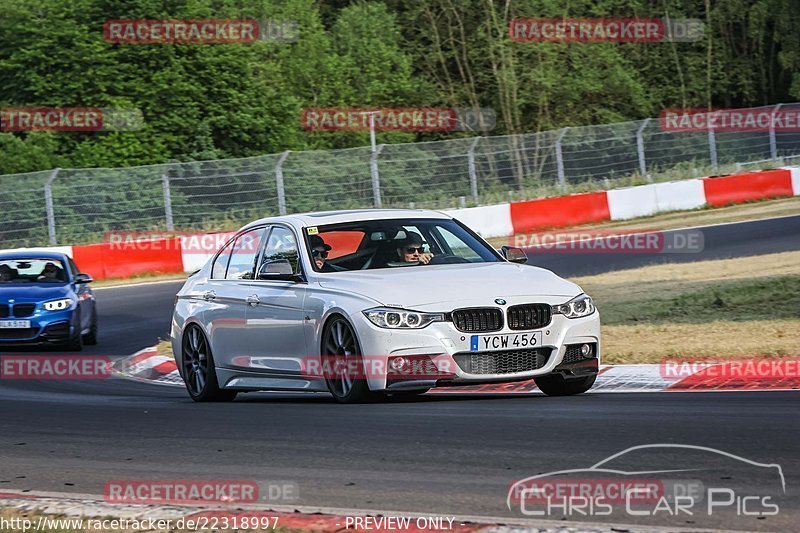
<point>148,365</point>
<point>299,518</point>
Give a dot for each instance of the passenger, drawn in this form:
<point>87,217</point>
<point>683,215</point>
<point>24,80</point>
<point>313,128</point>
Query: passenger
<point>6,273</point>
<point>412,249</point>
<point>50,273</point>
<point>319,251</point>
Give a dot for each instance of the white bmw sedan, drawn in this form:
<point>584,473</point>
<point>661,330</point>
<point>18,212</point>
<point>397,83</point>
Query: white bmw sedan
<point>374,302</point>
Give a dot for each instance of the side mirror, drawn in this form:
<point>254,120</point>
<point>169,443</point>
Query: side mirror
<point>514,255</point>
<point>279,269</point>
<point>83,278</point>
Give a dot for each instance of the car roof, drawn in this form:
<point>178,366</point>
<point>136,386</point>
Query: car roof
<point>321,218</point>
<point>32,254</point>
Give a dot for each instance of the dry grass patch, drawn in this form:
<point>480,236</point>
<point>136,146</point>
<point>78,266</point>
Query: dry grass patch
<point>164,348</point>
<point>651,343</point>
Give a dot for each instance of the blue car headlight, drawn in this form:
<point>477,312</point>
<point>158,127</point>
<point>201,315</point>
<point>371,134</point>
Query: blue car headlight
<point>61,304</point>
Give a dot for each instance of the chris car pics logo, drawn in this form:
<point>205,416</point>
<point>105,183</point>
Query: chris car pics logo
<point>698,482</point>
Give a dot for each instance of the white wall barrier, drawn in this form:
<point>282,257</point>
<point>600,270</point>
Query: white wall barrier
<point>488,220</point>
<point>680,195</point>
<point>632,202</point>
<point>795,179</point>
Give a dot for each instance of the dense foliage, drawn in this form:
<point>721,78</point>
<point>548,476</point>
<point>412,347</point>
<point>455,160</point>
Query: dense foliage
<point>237,100</point>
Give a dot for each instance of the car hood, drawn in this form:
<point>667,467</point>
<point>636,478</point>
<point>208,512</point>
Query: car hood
<point>433,286</point>
<point>33,292</point>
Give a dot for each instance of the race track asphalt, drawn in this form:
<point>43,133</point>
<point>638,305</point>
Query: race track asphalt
<point>453,454</point>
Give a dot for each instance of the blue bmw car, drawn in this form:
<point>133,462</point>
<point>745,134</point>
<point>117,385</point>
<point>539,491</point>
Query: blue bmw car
<point>45,300</point>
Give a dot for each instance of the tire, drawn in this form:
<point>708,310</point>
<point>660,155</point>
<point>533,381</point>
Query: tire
<point>75,343</point>
<point>197,368</point>
<point>90,339</point>
<point>340,353</point>
<point>556,385</point>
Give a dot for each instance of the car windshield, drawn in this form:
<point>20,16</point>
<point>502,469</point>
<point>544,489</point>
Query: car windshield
<point>404,243</point>
<point>32,270</point>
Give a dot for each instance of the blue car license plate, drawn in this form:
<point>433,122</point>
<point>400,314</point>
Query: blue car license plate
<point>15,324</point>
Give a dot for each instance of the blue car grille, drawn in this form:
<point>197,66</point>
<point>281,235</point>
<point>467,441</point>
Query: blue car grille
<point>18,334</point>
<point>23,310</point>
<point>17,310</point>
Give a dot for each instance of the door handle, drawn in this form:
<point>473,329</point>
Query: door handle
<point>209,295</point>
<point>252,300</point>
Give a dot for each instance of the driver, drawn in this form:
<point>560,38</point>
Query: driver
<point>319,251</point>
<point>412,249</point>
<point>50,271</point>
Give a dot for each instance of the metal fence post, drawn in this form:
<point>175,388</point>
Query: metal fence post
<point>376,178</point>
<point>48,202</point>
<point>279,182</point>
<point>473,174</point>
<point>562,180</point>
<point>773,143</point>
<point>167,201</point>
<point>640,148</point>
<point>712,147</point>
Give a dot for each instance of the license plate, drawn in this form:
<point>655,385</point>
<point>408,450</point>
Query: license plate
<point>507,341</point>
<point>15,324</point>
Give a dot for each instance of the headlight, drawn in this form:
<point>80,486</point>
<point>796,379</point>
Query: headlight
<point>578,307</point>
<point>58,305</point>
<point>386,317</point>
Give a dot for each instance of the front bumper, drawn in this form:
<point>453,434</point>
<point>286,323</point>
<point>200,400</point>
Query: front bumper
<point>441,341</point>
<point>47,328</point>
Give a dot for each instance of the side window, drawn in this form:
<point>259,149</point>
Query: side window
<point>243,256</point>
<point>221,262</point>
<point>282,245</point>
<point>74,267</point>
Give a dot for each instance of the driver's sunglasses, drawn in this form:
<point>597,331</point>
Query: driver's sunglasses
<point>411,250</point>
<point>320,253</point>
